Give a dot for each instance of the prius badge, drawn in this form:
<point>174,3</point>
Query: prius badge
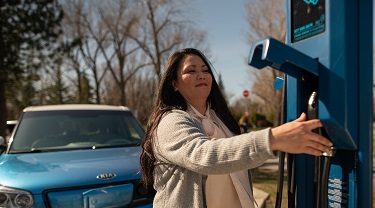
<point>106,176</point>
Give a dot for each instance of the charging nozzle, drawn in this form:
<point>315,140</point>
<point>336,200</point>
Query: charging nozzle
<point>330,153</point>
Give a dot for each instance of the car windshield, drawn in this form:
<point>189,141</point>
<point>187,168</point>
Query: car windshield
<point>75,129</point>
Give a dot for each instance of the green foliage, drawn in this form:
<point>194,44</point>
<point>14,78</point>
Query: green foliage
<point>29,29</point>
<point>86,94</point>
<point>260,120</point>
<point>27,25</point>
<point>221,86</point>
<point>21,91</point>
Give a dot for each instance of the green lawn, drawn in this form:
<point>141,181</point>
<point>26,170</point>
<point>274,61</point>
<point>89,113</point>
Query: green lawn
<point>267,181</point>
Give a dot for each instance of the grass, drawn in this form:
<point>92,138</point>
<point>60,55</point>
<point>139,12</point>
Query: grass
<point>267,181</point>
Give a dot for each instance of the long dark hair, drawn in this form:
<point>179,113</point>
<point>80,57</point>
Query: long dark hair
<point>168,99</point>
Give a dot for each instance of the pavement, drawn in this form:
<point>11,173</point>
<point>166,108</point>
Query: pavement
<point>260,197</point>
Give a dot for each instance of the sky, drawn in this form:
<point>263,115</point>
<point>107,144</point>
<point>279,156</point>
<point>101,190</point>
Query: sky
<point>225,24</point>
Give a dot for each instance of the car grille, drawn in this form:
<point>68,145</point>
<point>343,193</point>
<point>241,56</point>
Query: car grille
<point>129,194</point>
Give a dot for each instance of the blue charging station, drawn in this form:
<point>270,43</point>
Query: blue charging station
<point>327,61</point>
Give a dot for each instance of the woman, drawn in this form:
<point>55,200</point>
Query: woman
<point>194,154</point>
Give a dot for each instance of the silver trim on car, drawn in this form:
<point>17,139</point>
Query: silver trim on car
<point>106,176</point>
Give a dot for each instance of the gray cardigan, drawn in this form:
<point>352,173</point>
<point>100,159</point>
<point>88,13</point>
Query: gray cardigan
<point>185,156</point>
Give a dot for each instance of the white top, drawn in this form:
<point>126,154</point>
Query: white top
<point>225,190</point>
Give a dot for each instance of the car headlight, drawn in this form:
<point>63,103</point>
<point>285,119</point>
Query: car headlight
<point>10,197</point>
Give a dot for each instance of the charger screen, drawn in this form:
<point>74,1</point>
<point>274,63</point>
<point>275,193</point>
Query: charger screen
<point>307,19</point>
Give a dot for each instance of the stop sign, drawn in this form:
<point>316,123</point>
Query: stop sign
<point>245,93</point>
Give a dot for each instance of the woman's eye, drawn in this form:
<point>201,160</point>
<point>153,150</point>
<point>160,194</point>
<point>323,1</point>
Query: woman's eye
<point>206,71</point>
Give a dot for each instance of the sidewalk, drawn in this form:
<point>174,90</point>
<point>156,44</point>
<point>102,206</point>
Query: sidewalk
<point>260,197</point>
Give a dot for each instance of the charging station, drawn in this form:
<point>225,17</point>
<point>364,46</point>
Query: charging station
<point>327,59</point>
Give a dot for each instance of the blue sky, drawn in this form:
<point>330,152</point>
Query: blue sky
<point>225,24</point>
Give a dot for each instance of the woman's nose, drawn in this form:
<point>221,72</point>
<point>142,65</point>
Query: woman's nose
<point>201,75</point>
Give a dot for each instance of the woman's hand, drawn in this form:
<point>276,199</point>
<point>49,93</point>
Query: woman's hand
<point>297,137</point>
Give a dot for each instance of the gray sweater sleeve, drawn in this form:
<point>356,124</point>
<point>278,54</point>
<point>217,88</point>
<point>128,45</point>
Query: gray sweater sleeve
<point>180,140</point>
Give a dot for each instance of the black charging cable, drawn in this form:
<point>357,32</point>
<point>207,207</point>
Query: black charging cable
<point>312,113</point>
<point>326,168</point>
<point>280,179</point>
<point>291,168</point>
<point>320,176</point>
<point>317,180</point>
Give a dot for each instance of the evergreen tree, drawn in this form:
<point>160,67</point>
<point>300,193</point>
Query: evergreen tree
<point>28,30</point>
<point>221,86</point>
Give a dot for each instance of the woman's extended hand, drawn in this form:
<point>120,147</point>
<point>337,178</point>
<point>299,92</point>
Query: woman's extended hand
<point>297,137</point>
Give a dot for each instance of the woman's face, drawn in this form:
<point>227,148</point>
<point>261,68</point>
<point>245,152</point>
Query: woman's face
<point>194,80</point>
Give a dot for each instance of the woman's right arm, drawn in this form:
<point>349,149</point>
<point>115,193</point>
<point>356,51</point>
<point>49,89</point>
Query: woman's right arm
<point>180,140</point>
<point>297,137</point>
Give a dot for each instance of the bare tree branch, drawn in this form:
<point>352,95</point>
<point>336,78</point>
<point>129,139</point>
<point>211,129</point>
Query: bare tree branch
<point>266,19</point>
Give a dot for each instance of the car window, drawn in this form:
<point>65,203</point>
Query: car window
<point>75,129</point>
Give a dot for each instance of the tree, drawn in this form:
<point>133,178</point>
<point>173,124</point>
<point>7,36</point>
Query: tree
<point>139,96</point>
<point>83,36</point>
<point>221,86</point>
<point>55,88</point>
<point>165,28</point>
<point>22,91</point>
<point>124,43</point>
<point>26,26</point>
<point>266,19</point>
<point>97,42</point>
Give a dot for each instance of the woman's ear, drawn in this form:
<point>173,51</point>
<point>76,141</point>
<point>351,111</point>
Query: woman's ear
<point>174,84</point>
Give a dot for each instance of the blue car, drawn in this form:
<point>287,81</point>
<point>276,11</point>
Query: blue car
<point>74,156</point>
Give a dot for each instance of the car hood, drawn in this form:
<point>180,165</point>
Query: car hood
<point>38,171</point>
